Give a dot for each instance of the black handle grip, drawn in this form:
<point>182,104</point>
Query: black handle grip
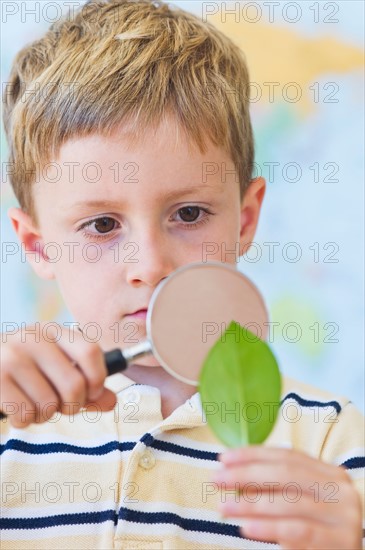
<point>115,361</point>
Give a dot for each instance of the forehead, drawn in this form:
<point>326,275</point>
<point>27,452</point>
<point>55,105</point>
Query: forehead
<point>106,167</point>
<point>158,143</point>
<point>98,174</point>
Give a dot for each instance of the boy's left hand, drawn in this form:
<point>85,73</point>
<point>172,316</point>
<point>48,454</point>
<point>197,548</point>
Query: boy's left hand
<point>291,499</point>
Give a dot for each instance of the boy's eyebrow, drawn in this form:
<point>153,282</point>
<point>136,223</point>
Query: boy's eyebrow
<point>165,196</point>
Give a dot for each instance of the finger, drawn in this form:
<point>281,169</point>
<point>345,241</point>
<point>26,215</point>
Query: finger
<point>284,504</point>
<point>20,410</point>
<point>21,380</point>
<point>275,476</point>
<point>37,387</point>
<point>260,454</point>
<point>294,534</point>
<point>65,378</point>
<point>89,358</point>
<point>106,402</point>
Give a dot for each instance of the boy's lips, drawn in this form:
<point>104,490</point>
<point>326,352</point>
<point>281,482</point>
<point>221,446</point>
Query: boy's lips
<point>140,314</point>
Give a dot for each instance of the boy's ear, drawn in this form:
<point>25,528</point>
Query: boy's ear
<point>250,212</point>
<point>32,243</point>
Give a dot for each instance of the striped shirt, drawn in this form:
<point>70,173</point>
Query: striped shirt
<point>130,479</point>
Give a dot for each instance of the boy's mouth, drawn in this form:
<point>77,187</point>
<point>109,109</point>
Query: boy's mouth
<point>140,314</point>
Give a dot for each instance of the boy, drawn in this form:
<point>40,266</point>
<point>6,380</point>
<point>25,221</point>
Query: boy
<point>131,106</point>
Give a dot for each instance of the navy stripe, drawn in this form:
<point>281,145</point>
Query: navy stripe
<point>308,403</point>
<point>202,526</point>
<point>355,462</point>
<point>150,441</point>
<point>183,451</point>
<point>147,439</point>
<point>61,519</point>
<point>47,448</point>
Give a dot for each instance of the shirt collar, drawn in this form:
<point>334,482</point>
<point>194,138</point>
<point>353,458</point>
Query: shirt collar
<point>188,414</point>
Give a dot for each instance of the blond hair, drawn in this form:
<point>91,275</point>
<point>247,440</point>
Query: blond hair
<point>125,60</point>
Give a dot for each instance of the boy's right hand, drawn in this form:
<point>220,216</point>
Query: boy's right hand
<point>40,376</point>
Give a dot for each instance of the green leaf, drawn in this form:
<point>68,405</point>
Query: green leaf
<point>240,387</point>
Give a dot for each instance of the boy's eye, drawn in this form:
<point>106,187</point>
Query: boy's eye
<point>189,213</point>
<point>193,216</point>
<point>104,225</point>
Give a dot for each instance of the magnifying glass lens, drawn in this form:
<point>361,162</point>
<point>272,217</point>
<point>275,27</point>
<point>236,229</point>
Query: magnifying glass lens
<point>194,307</point>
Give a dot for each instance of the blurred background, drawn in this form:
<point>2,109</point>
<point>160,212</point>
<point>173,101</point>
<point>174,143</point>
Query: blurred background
<point>307,90</point>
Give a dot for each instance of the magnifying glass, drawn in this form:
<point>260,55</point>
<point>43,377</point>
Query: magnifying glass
<point>188,312</point>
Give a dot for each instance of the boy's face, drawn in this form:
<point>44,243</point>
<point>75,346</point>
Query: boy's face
<point>143,228</point>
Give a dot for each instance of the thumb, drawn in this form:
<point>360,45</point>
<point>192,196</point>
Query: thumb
<point>106,401</point>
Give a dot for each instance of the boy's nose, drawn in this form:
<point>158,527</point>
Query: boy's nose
<point>151,260</point>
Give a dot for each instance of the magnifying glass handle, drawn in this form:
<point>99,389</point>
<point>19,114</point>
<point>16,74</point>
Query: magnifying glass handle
<point>115,361</point>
